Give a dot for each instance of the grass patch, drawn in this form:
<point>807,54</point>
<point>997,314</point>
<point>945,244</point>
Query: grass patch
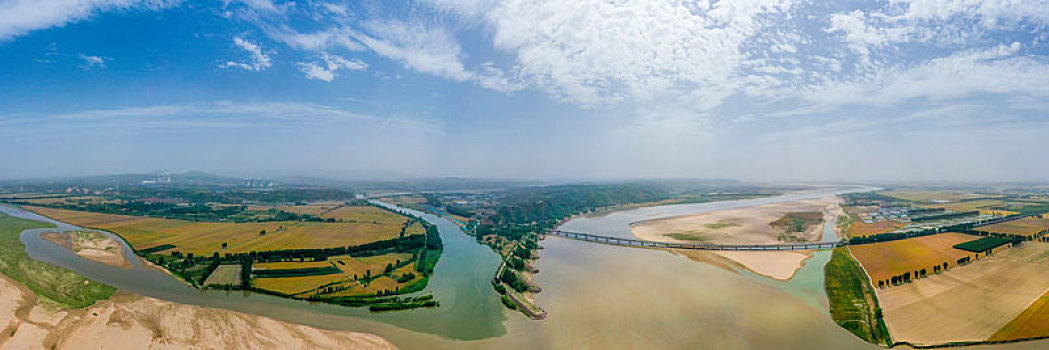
<point>853,304</point>
<point>720,225</point>
<point>798,221</point>
<point>688,237</point>
<point>983,244</point>
<point>51,282</point>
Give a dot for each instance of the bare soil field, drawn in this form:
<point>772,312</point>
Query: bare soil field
<point>1026,227</point>
<point>886,259</point>
<point>968,303</point>
<point>133,322</point>
<point>751,225</point>
<point>203,238</point>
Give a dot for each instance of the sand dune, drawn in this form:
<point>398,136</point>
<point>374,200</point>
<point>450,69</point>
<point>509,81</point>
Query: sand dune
<point>133,322</point>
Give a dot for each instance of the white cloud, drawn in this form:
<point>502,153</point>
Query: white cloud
<point>326,68</point>
<point>225,114</point>
<point>990,13</point>
<point>428,50</point>
<point>93,61</point>
<point>317,41</point>
<point>18,17</point>
<point>593,52</point>
<point>996,70</point>
<point>259,59</point>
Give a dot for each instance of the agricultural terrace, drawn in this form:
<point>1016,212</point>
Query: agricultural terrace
<point>884,260</point>
<point>204,238</point>
<point>1027,227</point>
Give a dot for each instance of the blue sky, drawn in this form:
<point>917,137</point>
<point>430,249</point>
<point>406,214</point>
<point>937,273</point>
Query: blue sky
<point>752,89</point>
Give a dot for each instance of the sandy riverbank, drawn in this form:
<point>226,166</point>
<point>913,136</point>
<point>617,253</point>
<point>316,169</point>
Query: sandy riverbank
<point>750,225</point>
<point>129,321</point>
<point>94,246</point>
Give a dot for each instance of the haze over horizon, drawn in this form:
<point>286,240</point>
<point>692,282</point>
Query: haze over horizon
<point>528,89</point>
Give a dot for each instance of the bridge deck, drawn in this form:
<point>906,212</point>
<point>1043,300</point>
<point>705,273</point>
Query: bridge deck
<point>629,242</point>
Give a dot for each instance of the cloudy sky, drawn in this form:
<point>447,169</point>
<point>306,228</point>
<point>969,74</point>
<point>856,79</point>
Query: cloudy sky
<point>748,89</point>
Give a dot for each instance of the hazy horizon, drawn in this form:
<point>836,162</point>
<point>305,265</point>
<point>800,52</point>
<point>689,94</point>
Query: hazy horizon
<point>762,90</point>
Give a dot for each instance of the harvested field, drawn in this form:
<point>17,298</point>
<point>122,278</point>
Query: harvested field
<point>1032,322</point>
<point>365,213</point>
<point>934,195</point>
<point>203,238</point>
<point>400,200</point>
<point>1026,227</point>
<point>415,228</point>
<point>315,210</point>
<point>224,275</point>
<point>886,259</point>
<point>977,205</point>
<point>376,264</point>
<point>862,229</point>
<point>296,285</point>
<point>375,286</point>
<point>970,303</point>
<point>286,265</point>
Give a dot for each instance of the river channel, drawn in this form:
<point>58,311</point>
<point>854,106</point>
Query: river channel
<point>597,296</point>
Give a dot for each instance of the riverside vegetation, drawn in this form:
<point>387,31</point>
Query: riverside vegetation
<point>347,253</point>
<point>55,284</point>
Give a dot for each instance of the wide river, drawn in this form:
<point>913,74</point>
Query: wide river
<point>597,296</point>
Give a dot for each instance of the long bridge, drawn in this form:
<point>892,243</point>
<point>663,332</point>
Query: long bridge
<point>629,242</point>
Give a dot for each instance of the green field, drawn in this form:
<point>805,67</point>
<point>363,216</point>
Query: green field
<point>853,304</point>
<point>983,244</point>
<point>50,282</point>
